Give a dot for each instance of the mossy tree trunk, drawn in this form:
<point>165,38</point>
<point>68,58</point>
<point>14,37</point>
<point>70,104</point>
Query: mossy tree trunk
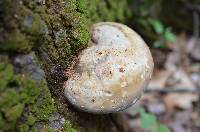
<point>35,35</point>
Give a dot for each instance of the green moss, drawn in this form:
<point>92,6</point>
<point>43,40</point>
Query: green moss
<point>108,10</point>
<point>1,120</point>
<point>31,120</point>
<point>20,27</point>
<point>81,6</point>
<point>15,41</point>
<point>43,109</point>
<point>67,127</point>
<point>14,112</point>
<point>59,27</point>
<point>23,128</point>
<point>66,30</point>
<point>18,91</point>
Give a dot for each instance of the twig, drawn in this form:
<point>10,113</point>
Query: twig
<point>193,7</point>
<point>172,90</point>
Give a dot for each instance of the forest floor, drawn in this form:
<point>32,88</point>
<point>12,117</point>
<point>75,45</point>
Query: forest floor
<point>173,94</point>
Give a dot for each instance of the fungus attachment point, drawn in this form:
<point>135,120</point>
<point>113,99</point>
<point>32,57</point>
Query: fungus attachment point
<point>112,72</point>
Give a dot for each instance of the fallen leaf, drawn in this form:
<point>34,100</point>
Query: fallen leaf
<point>176,100</point>
<point>159,79</point>
<point>180,79</point>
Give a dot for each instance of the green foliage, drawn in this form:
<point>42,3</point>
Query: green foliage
<point>197,65</point>
<point>18,91</point>
<point>67,127</point>
<point>157,26</point>
<point>169,36</point>
<point>149,122</point>
<point>159,44</point>
<point>164,34</point>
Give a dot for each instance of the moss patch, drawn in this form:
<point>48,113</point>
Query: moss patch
<point>58,27</point>
<point>67,127</point>
<point>19,26</point>
<point>108,10</point>
<point>18,91</point>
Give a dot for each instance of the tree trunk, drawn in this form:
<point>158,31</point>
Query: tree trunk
<point>38,35</point>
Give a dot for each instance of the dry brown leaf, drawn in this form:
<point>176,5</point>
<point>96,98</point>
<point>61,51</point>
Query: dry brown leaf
<point>180,79</point>
<point>159,79</point>
<point>176,100</point>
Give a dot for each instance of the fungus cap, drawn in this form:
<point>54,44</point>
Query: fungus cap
<point>112,72</point>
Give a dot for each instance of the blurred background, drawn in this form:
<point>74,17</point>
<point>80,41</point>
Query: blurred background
<point>172,99</point>
<point>39,32</point>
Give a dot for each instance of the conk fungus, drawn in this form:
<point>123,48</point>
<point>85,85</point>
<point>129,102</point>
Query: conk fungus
<point>112,72</point>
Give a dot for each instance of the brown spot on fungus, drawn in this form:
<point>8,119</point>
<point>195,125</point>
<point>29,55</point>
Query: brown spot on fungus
<point>121,69</point>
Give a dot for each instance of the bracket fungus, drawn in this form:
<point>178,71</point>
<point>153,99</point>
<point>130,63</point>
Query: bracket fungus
<point>112,72</point>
